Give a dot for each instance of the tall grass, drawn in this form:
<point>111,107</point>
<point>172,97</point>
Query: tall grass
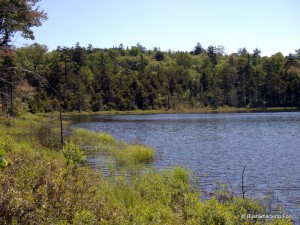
<point>88,138</point>
<point>125,154</point>
<point>134,154</point>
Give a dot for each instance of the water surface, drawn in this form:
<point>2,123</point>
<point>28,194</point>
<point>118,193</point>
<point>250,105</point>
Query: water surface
<point>214,146</point>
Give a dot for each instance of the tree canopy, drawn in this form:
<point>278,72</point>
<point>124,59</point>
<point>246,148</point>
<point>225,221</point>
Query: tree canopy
<point>93,79</point>
<point>19,16</point>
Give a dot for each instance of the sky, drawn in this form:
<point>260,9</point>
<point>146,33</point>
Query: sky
<point>270,25</point>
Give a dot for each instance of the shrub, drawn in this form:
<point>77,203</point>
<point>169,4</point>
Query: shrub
<point>72,153</point>
<point>48,136</point>
<point>6,145</point>
<point>181,174</point>
<point>84,218</point>
<point>4,161</point>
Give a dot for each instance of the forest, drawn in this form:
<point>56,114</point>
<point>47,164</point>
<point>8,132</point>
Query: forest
<point>78,78</point>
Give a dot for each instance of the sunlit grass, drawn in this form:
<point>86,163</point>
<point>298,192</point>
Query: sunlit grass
<point>88,138</point>
<point>134,154</point>
<point>125,154</point>
<point>41,187</point>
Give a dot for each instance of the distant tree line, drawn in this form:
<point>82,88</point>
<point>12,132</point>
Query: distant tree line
<point>92,79</point>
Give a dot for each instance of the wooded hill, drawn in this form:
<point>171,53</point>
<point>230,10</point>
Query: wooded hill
<point>92,79</point>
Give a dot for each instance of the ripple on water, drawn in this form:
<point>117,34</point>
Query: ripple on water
<point>214,146</point>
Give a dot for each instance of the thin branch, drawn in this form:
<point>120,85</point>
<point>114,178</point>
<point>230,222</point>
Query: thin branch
<point>6,81</point>
<point>230,185</point>
<point>4,94</point>
<point>48,85</point>
<point>243,188</point>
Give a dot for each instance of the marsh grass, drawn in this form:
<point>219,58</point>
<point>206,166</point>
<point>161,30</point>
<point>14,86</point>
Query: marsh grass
<point>88,138</point>
<point>36,130</point>
<point>124,154</point>
<point>39,187</point>
<point>134,154</point>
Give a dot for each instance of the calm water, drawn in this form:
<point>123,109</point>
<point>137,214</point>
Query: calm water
<point>214,146</point>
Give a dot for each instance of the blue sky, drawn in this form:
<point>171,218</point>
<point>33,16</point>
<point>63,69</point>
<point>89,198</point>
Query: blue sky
<point>269,25</point>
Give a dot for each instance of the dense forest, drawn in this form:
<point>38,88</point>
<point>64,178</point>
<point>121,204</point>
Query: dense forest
<point>92,79</point>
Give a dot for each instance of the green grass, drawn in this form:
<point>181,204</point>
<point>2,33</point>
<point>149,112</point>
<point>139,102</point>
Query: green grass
<point>134,154</point>
<point>41,187</point>
<point>88,138</point>
<point>124,154</point>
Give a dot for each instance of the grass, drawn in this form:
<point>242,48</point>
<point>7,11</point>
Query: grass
<point>125,154</point>
<point>134,154</point>
<point>41,186</point>
<point>84,137</point>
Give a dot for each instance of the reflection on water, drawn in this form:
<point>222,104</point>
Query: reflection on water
<point>214,146</point>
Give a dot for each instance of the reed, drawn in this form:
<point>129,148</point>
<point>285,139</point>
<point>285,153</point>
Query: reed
<point>125,154</point>
<point>134,154</point>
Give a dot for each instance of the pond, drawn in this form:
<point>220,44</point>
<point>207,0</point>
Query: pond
<point>216,147</point>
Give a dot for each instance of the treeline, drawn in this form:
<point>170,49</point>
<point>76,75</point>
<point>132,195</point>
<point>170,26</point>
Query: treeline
<point>92,79</point>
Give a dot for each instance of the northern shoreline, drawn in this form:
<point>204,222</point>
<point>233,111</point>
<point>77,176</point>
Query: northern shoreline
<point>206,110</point>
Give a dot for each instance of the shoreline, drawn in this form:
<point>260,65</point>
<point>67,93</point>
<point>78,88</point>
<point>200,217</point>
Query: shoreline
<point>181,111</point>
<point>56,181</point>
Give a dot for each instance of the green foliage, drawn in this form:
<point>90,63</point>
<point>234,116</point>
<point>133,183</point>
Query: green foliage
<point>72,153</point>
<point>20,107</point>
<point>84,218</point>
<point>3,162</point>
<point>118,79</point>
<point>181,174</point>
<point>19,16</point>
<point>5,145</point>
<point>48,135</point>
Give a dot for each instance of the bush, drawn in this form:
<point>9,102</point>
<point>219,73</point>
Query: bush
<point>84,218</point>
<point>4,161</point>
<point>181,174</point>
<point>50,192</point>
<point>48,136</point>
<point>72,153</point>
